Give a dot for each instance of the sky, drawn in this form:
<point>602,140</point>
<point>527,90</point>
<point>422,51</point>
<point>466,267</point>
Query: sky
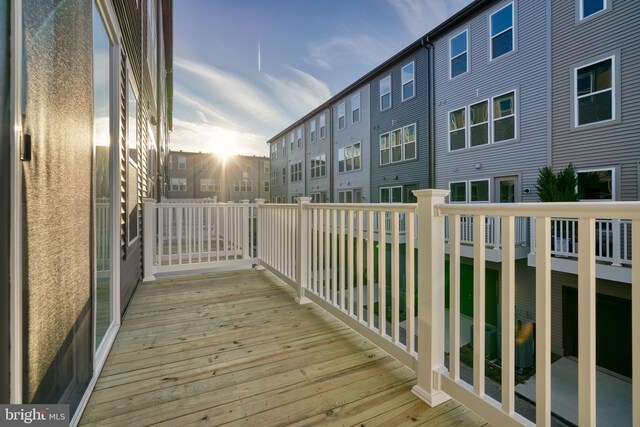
<point>246,69</point>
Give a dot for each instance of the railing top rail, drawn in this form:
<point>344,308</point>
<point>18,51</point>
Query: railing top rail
<point>200,205</point>
<point>366,207</point>
<point>278,205</point>
<point>611,210</point>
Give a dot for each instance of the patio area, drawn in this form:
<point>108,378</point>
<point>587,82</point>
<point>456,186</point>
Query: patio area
<point>235,348</point>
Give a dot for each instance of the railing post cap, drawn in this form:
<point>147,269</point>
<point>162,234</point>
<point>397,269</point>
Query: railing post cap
<point>304,199</point>
<point>260,201</point>
<point>244,201</point>
<point>149,200</point>
<point>431,192</point>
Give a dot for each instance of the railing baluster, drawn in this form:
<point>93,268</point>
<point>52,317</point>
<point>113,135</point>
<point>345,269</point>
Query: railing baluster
<point>334,259</point>
<point>395,278</point>
<point>179,233</point>
<point>410,282</point>
<point>382,272</point>
<point>161,232</point>
<point>321,252</point>
<point>587,322</point>
<point>370,270</point>
<point>350,244</point>
<point>314,252</point>
<point>454,296</point>
<point>478,304</point>
<point>508,313</point>
<point>360,264</point>
<point>327,255</point>
<point>543,322</point>
<point>635,323</point>
<point>343,259</point>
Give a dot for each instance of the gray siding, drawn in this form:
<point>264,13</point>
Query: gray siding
<point>321,146</point>
<point>524,70</point>
<point>401,113</point>
<point>280,189</point>
<point>296,155</point>
<point>614,144</point>
<point>351,134</point>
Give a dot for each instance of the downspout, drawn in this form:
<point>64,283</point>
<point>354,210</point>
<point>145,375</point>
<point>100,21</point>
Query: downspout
<point>431,134</point>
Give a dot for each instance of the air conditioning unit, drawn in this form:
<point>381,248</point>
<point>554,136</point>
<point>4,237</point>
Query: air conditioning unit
<point>490,341</point>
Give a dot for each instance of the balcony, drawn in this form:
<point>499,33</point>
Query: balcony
<point>391,293</point>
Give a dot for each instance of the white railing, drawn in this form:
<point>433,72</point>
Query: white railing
<point>103,235</point>
<point>492,231</point>
<point>613,239</point>
<point>194,236</point>
<point>206,200</point>
<point>331,256</point>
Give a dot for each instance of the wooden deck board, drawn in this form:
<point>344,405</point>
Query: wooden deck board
<point>234,348</point>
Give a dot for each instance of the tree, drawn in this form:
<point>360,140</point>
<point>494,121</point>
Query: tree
<point>557,187</point>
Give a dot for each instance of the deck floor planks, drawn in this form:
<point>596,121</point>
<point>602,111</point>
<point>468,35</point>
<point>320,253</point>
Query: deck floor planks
<point>234,348</point>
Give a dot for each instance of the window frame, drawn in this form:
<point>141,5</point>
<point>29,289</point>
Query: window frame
<point>322,126</point>
<point>492,135</point>
<point>412,81</point>
<point>274,151</point>
<point>580,11</point>
<point>212,185</point>
<point>471,181</point>
<point>299,137</point>
<point>612,169</point>
<point>465,52</point>
<point>179,185</point>
<point>355,98</point>
<point>464,129</point>
<point>312,130</point>
<point>295,172</point>
<point>390,190</point>
<point>386,93</point>
<point>512,27</point>
<point>292,140</point>
<point>403,143</point>
<point>615,90</point>
<point>466,191</point>
<point>342,115</point>
<point>317,165</point>
<point>489,118</point>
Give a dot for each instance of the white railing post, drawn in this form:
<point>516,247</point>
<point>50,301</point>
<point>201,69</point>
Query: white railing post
<point>302,246</point>
<point>259,228</point>
<point>532,235</point>
<point>149,235</point>
<point>616,225</point>
<point>430,297</point>
<point>245,230</point>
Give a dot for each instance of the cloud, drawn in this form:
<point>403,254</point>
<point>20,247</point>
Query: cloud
<point>301,92</point>
<point>420,16</point>
<point>364,49</point>
<point>194,136</point>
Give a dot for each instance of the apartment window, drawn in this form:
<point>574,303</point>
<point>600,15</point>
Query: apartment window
<point>274,151</point>
<point>170,162</point>
<point>319,166</point>
<point>595,96</point>
<point>211,185</point>
<point>274,178</point>
<point>342,120</point>
<point>319,197</point>
<point>591,7</point>
<point>596,184</point>
<point>312,130</point>
<point>457,129</point>
<point>355,108</point>
<point>204,163</point>
<point>350,196</point>
<point>182,162</point>
<point>479,191</point>
<point>284,175</point>
<point>296,172</point>
<point>349,158</point>
<point>284,146</point>
<point>292,140</point>
<point>385,93</point>
<point>502,31</point>
<point>479,124</point>
<point>391,194</point>
<point>178,184</point>
<point>458,56</point>
<point>323,126</point>
<point>242,185</point>
<point>504,117</point>
<point>299,137</point>
<point>266,186</point>
<point>458,192</point>
<point>398,145</point>
<point>266,167</point>
<point>408,81</point>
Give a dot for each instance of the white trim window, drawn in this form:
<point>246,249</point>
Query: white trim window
<point>398,145</point>
<point>349,158</point>
<point>355,108</point>
<point>472,191</point>
<point>204,163</point>
<point>292,140</point>
<point>458,192</point>
<point>391,194</point>
<point>458,54</point>
<point>589,8</point>
<point>457,129</point>
<point>504,117</point>
<point>385,93</point>
<point>502,32</point>
<point>594,88</point>
<point>266,167</point>
<point>266,187</point>
<point>323,126</point>
<point>243,185</point>
<point>408,77</point>
<point>299,137</point>
<point>274,151</point>
<point>350,196</point>
<point>596,184</point>
<point>182,162</point>
<point>342,116</point>
<point>479,124</point>
<point>284,146</point>
<point>178,184</point>
<point>274,178</point>
<point>312,130</point>
<point>319,166</point>
<point>296,172</point>
<point>209,184</point>
<point>284,175</point>
<point>319,197</point>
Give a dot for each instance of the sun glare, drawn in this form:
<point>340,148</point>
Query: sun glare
<point>224,151</point>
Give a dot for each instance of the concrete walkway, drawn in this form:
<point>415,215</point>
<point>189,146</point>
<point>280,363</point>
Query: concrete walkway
<point>613,396</point>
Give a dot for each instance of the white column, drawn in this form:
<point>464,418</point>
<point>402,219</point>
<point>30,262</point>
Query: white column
<point>148,236</point>
<point>302,246</point>
<point>259,228</point>
<point>430,296</point>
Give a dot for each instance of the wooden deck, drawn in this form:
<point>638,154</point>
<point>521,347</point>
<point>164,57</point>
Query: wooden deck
<point>234,348</point>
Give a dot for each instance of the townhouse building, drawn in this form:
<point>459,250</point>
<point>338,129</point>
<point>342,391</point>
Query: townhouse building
<point>319,153</point>
<point>279,175</point>
<point>207,176</point>
<point>85,133</point>
<point>296,162</point>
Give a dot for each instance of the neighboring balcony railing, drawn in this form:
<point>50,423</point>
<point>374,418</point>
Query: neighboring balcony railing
<point>613,239</point>
<point>393,292</point>
<point>492,234</point>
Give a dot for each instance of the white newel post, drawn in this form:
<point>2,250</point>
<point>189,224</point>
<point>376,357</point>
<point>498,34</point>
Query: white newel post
<point>246,249</point>
<point>149,234</point>
<point>430,296</point>
<point>302,246</point>
<point>259,228</point>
